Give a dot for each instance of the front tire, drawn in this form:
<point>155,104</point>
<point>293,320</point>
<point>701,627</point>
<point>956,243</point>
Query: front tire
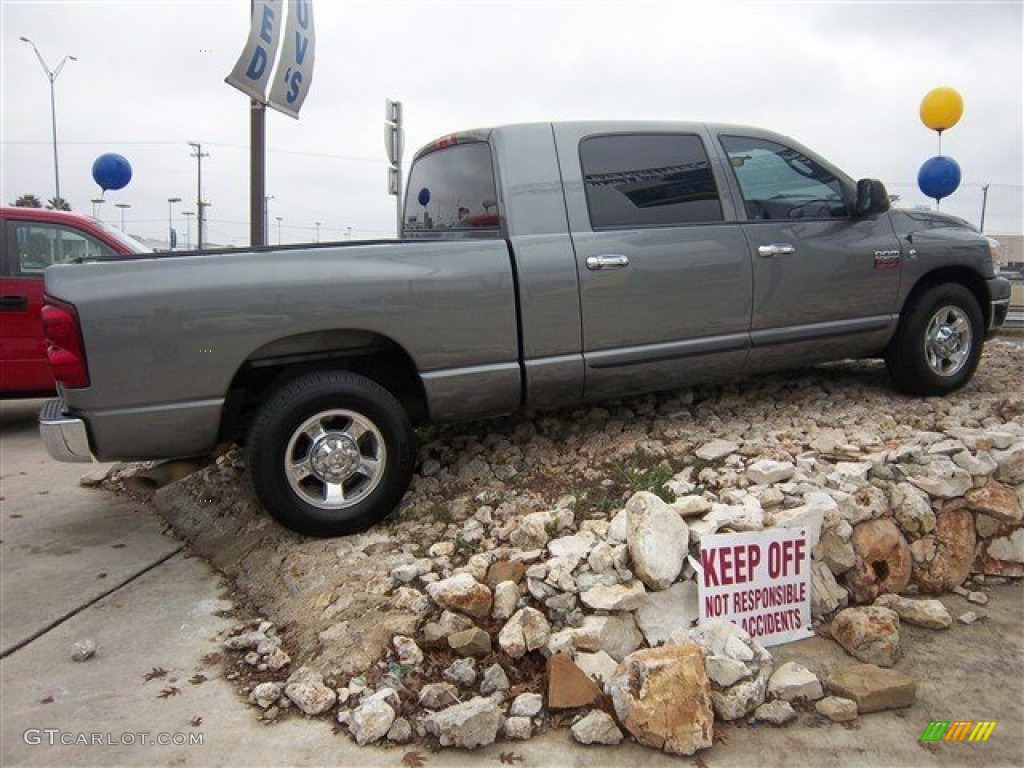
<point>330,454</point>
<point>939,341</point>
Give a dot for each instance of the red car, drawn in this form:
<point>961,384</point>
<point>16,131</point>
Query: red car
<point>34,239</point>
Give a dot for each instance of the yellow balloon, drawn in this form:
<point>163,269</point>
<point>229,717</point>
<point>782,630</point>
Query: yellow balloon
<point>941,108</point>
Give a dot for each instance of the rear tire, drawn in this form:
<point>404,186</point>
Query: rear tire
<point>330,454</point>
<point>938,343</point>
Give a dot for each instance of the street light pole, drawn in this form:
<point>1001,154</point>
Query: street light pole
<point>123,207</point>
<point>51,75</point>
<point>170,221</point>
<point>96,203</point>
<point>188,228</point>
<point>278,230</point>
<point>317,230</point>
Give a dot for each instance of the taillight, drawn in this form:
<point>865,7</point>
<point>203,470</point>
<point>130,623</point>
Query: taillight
<point>64,349</point>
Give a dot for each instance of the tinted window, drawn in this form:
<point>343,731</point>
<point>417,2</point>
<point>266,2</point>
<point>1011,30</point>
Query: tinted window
<point>648,180</point>
<point>452,190</point>
<point>33,246</point>
<point>778,182</point>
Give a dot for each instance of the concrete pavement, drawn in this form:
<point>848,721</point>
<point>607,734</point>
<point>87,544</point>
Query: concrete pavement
<point>157,608</point>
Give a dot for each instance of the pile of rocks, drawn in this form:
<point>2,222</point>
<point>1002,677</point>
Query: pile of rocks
<point>542,565</point>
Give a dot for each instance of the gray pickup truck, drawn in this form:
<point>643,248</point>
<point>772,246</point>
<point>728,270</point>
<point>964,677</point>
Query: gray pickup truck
<point>540,266</point>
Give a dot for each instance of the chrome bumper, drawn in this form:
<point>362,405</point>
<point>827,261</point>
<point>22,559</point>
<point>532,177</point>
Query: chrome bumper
<point>64,437</point>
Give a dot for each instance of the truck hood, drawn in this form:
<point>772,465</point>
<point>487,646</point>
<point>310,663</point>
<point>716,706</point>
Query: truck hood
<point>916,220</point>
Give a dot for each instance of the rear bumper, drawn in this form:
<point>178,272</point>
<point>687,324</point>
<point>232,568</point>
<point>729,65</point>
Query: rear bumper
<point>64,437</point>
<point>999,290</point>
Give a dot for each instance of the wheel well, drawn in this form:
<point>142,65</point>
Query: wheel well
<point>968,278</point>
<point>274,365</point>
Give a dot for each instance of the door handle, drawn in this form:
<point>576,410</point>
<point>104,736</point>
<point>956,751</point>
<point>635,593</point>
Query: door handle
<point>775,249</point>
<point>13,303</point>
<point>610,261</point>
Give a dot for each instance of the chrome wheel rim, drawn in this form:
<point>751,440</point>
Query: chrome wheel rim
<point>335,459</point>
<point>947,342</point>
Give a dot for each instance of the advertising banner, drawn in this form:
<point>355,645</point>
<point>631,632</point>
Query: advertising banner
<point>295,69</point>
<point>256,64</point>
<point>760,581</point>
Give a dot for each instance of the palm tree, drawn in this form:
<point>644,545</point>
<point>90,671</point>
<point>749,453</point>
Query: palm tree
<point>58,204</point>
<point>28,201</point>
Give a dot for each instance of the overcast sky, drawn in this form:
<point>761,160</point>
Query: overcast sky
<point>845,79</point>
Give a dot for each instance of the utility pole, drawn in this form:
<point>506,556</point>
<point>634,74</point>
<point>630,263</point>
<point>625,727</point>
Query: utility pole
<point>198,154</point>
<point>984,204</point>
<point>257,173</point>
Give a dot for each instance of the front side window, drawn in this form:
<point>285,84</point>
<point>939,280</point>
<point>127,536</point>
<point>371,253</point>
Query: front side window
<point>452,190</point>
<point>778,182</point>
<point>34,246</point>
<point>648,180</point>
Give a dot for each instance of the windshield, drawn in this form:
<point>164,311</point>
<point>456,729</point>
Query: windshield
<point>129,242</point>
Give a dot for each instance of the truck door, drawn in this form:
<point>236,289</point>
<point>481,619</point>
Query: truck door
<point>664,278</point>
<point>825,283</point>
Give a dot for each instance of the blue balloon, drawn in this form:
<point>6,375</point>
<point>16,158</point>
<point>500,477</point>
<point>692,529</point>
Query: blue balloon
<point>939,177</point>
<point>111,171</point>
<point>424,197</point>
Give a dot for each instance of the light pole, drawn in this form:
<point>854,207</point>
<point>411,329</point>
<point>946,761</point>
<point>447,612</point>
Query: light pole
<point>51,75</point>
<point>170,221</point>
<point>278,230</point>
<point>123,207</point>
<point>96,203</point>
<point>188,228</point>
<point>317,230</point>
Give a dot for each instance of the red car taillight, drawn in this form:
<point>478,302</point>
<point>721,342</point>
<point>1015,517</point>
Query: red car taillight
<point>64,348</point>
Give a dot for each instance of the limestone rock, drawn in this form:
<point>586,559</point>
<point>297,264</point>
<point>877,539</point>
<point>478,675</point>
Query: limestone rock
<point>728,641</point>
<point>505,570</point>
<point>371,721</point>
<point>616,635</point>
<point>873,689</point>
<point>716,449</point>
<point>911,509</point>
<point>793,681</point>
<point>313,698</point>
<point>506,597</point>
<point>663,698</point>
<point>616,597</point>
<point>494,680</point>
<point>568,686</point>
<point>657,538</point>
<point>408,653</point>
<point>597,728</point>
<point>462,593</point>
<point>527,630</point>
<point>1011,464</point>
<point>518,728</point>
<point>573,549</point>
<point>599,667</point>
<point>768,471</point>
<point>826,594</point>
<point>83,650</point>
<point>837,709</point>
<point>725,672</point>
<point>461,672</point>
<point>869,633</point>
<point>955,539</point>
<point>470,642</point>
<point>884,563</point>
<point>775,712</point>
<point>924,613</point>
<point>438,695</point>
<point>996,500</point>
<point>659,614</point>
<point>941,479</point>
<point>466,726</point>
<point>265,695</point>
<point>838,554</point>
<point>526,705</point>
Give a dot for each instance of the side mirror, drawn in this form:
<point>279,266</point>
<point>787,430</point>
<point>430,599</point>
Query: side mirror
<point>872,198</point>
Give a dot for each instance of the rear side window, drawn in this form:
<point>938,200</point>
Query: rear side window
<point>452,190</point>
<point>648,180</point>
<point>33,246</point>
<point>778,182</point>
